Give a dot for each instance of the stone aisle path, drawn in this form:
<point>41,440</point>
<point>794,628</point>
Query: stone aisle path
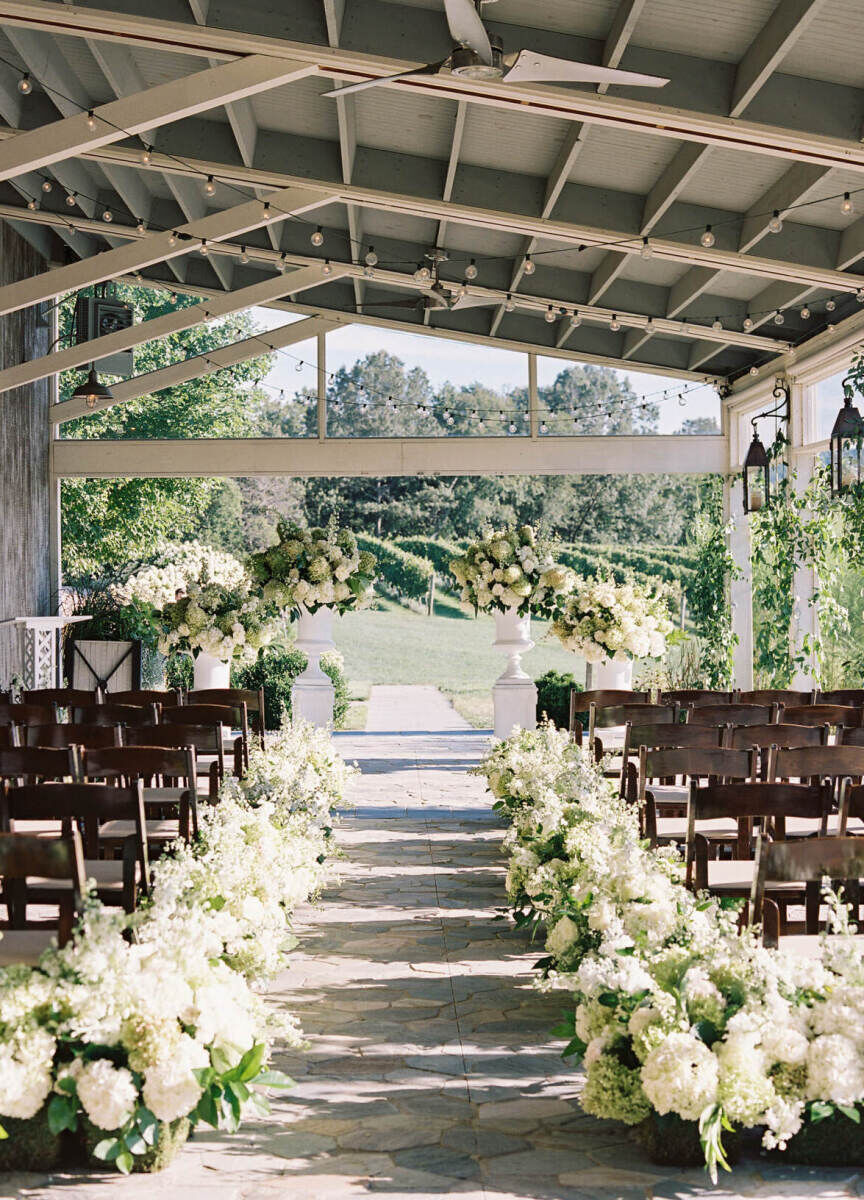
<point>431,1071</point>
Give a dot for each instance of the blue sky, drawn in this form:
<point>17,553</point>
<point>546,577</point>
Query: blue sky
<point>462,364</point>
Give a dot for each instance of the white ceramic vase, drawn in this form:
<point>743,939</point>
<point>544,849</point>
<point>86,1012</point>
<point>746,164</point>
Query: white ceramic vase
<point>313,693</point>
<point>209,672</point>
<point>608,675</point>
<point>514,695</point>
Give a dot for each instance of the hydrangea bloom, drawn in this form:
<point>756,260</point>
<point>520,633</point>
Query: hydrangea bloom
<point>605,620</point>
<point>511,568</point>
<point>314,568</point>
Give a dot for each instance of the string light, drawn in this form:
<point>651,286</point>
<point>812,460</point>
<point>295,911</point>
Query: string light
<point>172,240</point>
<point>775,224</point>
<point>544,428</point>
<point>804,313</point>
<point>107,216</point>
<point>371,258</point>
<point>646,251</point>
<point>528,266</point>
<point>71,199</point>
<point>265,210</point>
<point>317,237</point>
<point>91,120</point>
<point>25,84</point>
<point>146,154</point>
<point>778,317</point>
<point>614,324</point>
<point>549,315</point>
<point>830,304</point>
<point>575,319</point>
<point>846,205</point>
<point>47,185</point>
<point>210,186</point>
<point>244,254</point>
<point>327,269</point>
<point>708,239</point>
<point>32,204</point>
<point>747,323</point>
<point>204,248</point>
<point>471,270</point>
<point>141,227</point>
<point>509,303</point>
<point>716,324</point>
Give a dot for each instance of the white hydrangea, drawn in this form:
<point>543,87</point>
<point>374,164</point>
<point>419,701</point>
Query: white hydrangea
<point>681,1076</point>
<point>604,620</point>
<point>26,1073</point>
<point>107,1093</point>
<point>170,1087</point>
<point>511,568</point>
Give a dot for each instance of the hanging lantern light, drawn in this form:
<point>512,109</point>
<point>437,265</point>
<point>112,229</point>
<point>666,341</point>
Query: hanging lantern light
<point>846,439</point>
<point>92,390</point>
<point>757,476</point>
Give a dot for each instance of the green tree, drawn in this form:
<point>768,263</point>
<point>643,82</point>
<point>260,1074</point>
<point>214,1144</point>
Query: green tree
<point>107,522</point>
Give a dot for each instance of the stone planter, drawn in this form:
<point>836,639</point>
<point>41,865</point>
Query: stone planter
<point>30,1146</point>
<point>313,693</point>
<point>171,1139</point>
<point>514,694</point>
<point>671,1142</point>
<point>608,675</point>
<point>209,672</point>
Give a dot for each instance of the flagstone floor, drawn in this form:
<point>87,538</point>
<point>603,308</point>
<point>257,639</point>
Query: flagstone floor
<point>431,1070</point>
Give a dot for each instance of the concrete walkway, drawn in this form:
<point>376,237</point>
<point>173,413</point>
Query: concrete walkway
<point>431,1071</point>
<point>415,707</point>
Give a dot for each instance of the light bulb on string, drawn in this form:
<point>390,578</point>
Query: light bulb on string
<point>204,248</point>
<point>528,266</point>
<point>575,320</point>
<point>830,304</point>
<point>775,223</point>
<point>512,427</point>
<point>682,400</point>
<point>544,428</point>
<point>71,199</point>
<point>107,216</point>
<point>47,185</point>
<point>32,204</point>
<point>327,269</point>
<point>471,270</point>
<point>172,240</point>
<point>509,303</point>
<point>266,211</point>
<point>91,120</point>
<point>146,155</point>
<point>708,239</point>
<point>317,238</point>
<point>549,315</point>
<point>778,317</point>
<point>210,186</point>
<point>754,370</point>
<point>282,264</point>
<point>804,314</point>
<point>747,323</point>
<point>716,324</point>
<point>371,258</point>
<point>614,323</point>
<point>141,227</point>
<point>25,84</point>
<point>859,295</point>
<point>244,254</point>
<point>298,366</point>
<point>646,251</point>
<point>846,205</point>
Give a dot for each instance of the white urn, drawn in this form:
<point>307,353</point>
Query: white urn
<point>209,672</point>
<point>609,675</point>
<point>313,693</point>
<point>514,695</point>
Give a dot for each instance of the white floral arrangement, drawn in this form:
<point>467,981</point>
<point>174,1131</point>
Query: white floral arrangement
<point>153,1018</point>
<point>177,566</point>
<point>673,1010</point>
<point>511,568</point>
<point>231,623</point>
<point>603,619</point>
<point>314,568</point>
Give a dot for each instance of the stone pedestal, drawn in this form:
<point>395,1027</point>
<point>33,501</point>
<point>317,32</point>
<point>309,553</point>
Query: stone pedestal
<point>514,695</point>
<point>313,693</point>
<point>608,675</point>
<point>209,672</point>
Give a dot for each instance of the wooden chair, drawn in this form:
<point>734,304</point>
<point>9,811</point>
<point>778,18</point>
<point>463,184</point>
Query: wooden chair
<point>816,764</point>
<point>170,783</point>
<point>835,715</point>
<point>675,772</point>
<point>770,803</point>
<point>232,716</point>
<point>254,701</point>
<point>696,698</point>
<point>23,859</point>
<point>852,697</point>
<point>734,714</point>
<point>208,741</point>
<point>10,735</point>
<point>617,716</point>
<point>788,737</point>
<point>143,696</point>
<point>673,736</point>
<point>62,734</point>
<point>788,698</point>
<point>28,714</point>
<point>62,697</point>
<point>39,764</point>
<point>87,805</point>
<point>850,819</point>
<point>851,736</point>
<point>804,863</point>
<point>580,704</point>
<point>115,714</point>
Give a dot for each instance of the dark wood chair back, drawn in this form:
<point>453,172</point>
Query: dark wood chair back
<point>84,804</point>
<point>614,716</point>
<point>671,736</point>
<point>852,736</point>
<point>156,767</point>
<point>23,857</point>
<point>813,763</point>
<point>851,805</point>
<point>807,861</point>
<point>694,762</point>
<point>233,716</point>
<point>144,696</point>
<point>10,735</point>
<point>843,715</point>
<point>28,714</point>
<point>62,697</point>
<point>733,714</point>
<point>61,735</point>
<point>696,697</point>
<point>580,704</point>
<point>208,741</point>
<point>787,697</point>
<point>254,701</point>
<point>851,697</point>
<point>32,764</point>
<point>786,736</point>
<point>116,714</point>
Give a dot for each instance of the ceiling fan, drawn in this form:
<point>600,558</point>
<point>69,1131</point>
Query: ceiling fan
<point>479,55</point>
<point>437,296</point>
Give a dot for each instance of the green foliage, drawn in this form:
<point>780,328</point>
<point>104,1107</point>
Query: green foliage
<point>399,572</point>
<point>553,697</point>
<point>108,521</point>
<point>438,551</point>
<point>229,1089</point>
<point>707,592</point>
<point>275,670</point>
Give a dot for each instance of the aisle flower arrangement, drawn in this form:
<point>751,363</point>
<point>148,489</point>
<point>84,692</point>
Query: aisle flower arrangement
<point>146,1025</point>
<point>512,568</point>
<point>606,620</point>
<point>176,567</point>
<point>231,622</point>
<point>685,1027</point>
<point>314,568</point>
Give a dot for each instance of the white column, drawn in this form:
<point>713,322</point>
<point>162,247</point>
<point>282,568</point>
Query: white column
<point>741,588</point>
<point>805,616</point>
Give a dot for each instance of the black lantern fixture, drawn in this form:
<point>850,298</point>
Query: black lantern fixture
<point>846,439</point>
<point>92,390</point>
<point>757,464</point>
<point>757,475</point>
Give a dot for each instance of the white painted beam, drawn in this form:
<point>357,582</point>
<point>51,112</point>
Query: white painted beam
<point>222,305</point>
<point>153,248</point>
<point>795,186</point>
<point>620,112</point>
<point>308,457</point>
<point>160,105</point>
<point>770,46</point>
<point>256,346</point>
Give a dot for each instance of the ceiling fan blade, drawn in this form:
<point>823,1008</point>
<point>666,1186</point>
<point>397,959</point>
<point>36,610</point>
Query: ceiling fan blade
<point>429,69</point>
<point>543,68</point>
<point>390,304</point>
<point>467,29</point>
<point>475,302</point>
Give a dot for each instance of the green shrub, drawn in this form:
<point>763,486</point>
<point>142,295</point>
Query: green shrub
<point>399,573</point>
<point>553,697</point>
<point>439,552</point>
<point>275,671</point>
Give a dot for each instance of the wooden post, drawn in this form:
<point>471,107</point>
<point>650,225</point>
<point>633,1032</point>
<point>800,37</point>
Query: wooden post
<point>430,605</point>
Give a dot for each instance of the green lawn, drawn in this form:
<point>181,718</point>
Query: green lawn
<point>394,645</point>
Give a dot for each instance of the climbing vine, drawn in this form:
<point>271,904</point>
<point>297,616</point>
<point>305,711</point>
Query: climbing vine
<point>708,590</point>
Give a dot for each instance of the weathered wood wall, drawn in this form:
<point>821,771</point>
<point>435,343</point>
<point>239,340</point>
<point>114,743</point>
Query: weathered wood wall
<point>25,489</point>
